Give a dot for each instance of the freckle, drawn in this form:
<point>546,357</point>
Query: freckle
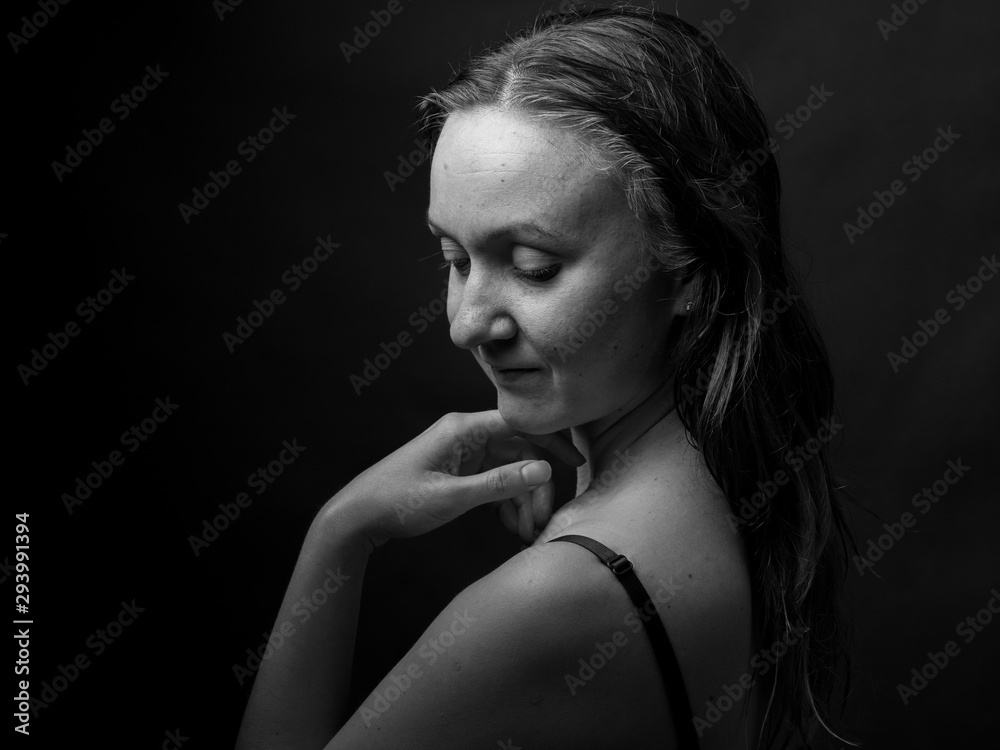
<point>690,576</point>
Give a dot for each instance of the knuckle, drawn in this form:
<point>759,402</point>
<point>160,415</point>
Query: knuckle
<point>453,421</point>
<point>496,482</point>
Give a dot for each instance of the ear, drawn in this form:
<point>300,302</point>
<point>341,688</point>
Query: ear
<point>686,293</point>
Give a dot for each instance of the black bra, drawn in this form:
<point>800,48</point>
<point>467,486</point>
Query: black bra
<point>670,670</point>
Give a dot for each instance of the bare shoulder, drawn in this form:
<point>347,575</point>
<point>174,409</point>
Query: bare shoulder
<point>539,652</point>
<point>593,666</point>
<point>548,649</point>
<point>674,528</point>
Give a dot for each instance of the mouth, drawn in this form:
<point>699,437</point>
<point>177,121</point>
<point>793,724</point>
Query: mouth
<point>511,375</point>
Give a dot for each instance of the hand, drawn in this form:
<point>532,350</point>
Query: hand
<point>458,463</point>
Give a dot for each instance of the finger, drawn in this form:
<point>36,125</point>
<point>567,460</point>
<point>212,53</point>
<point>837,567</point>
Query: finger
<point>558,443</point>
<point>526,523</point>
<point>507,481</point>
<point>477,441</point>
<point>541,504</point>
<point>509,450</point>
<point>508,515</point>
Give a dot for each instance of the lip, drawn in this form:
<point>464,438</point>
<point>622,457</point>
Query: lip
<point>511,375</point>
<point>502,367</point>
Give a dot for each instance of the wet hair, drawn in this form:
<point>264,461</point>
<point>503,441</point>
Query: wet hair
<point>660,109</point>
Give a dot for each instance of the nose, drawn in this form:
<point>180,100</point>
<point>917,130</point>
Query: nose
<point>478,311</point>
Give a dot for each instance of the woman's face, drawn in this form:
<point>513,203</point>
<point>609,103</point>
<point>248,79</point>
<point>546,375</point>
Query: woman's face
<point>548,288</point>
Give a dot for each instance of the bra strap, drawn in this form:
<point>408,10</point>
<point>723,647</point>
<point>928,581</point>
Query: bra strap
<point>670,670</point>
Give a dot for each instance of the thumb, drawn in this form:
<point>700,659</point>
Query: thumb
<point>503,482</point>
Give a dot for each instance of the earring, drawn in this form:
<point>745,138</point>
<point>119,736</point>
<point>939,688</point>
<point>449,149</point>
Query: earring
<point>688,306</point>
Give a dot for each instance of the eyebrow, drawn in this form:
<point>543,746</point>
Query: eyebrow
<point>517,228</point>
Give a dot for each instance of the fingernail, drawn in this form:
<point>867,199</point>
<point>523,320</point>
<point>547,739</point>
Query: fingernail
<point>536,473</point>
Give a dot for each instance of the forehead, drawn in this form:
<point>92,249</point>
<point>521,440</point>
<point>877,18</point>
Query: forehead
<point>492,166</point>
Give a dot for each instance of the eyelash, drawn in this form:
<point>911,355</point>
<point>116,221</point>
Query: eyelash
<point>540,275</point>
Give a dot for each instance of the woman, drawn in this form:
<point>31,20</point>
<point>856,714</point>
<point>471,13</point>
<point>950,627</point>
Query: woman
<point>616,269</point>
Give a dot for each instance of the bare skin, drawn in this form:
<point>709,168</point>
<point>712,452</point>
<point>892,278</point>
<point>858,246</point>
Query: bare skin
<point>497,663</point>
<point>669,519</point>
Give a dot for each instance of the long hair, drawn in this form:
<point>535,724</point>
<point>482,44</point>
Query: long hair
<point>658,108</point>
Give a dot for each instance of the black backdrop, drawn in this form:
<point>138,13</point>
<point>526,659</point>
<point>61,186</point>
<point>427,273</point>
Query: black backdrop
<point>221,70</point>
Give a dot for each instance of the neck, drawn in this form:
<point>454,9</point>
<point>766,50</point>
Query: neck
<point>606,442</point>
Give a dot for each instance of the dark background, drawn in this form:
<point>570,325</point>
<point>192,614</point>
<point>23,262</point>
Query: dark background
<point>325,175</point>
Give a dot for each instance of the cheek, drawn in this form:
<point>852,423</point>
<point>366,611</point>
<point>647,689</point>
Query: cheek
<point>581,332</point>
<point>641,333</point>
<point>454,298</point>
<point>606,338</point>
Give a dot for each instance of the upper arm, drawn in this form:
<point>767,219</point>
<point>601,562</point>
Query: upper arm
<point>503,662</point>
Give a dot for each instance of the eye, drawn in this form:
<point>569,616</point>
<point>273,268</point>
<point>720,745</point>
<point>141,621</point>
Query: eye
<point>459,264</point>
<point>540,275</point>
<point>534,264</point>
<point>462,264</point>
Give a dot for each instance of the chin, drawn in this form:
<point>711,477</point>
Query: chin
<point>530,417</point>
